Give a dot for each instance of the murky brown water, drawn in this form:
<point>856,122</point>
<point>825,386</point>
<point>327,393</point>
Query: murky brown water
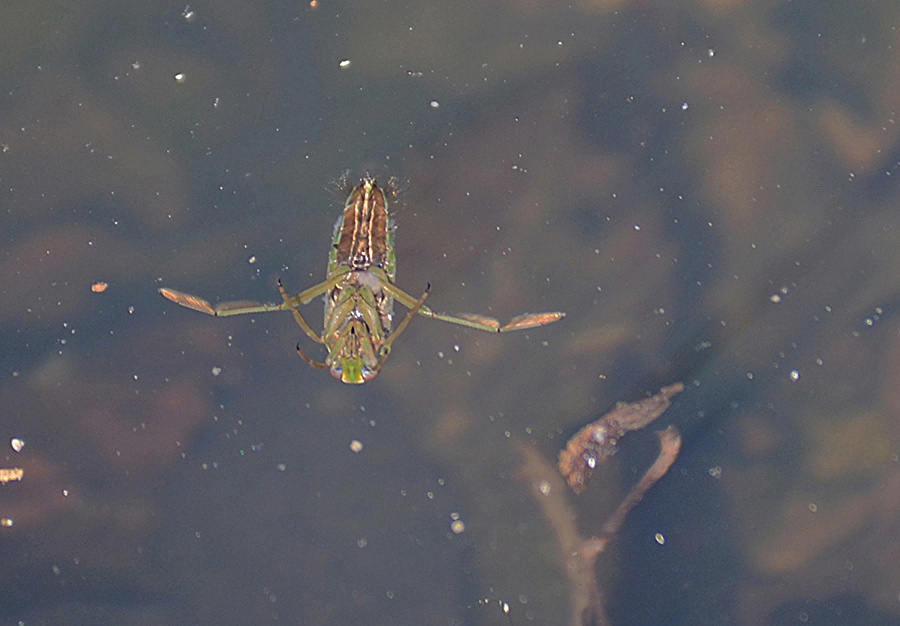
<point>708,192</point>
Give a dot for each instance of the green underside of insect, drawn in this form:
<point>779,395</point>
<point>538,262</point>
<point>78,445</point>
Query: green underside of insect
<point>359,293</point>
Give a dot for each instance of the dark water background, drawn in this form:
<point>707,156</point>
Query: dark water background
<point>709,190</point>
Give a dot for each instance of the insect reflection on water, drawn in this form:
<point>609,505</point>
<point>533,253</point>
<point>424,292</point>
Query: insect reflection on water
<point>359,293</point>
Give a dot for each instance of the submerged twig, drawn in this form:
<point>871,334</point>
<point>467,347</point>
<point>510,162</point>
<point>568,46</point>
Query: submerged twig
<point>580,554</point>
<point>669,446</point>
<point>597,441</point>
<point>549,489</point>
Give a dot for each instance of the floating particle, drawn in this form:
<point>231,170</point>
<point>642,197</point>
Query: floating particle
<point>17,444</point>
<point>11,474</point>
<point>180,77</point>
<point>344,64</point>
<point>99,287</point>
<point>356,446</point>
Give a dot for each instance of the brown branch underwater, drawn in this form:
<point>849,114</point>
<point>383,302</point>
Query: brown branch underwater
<point>591,445</point>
